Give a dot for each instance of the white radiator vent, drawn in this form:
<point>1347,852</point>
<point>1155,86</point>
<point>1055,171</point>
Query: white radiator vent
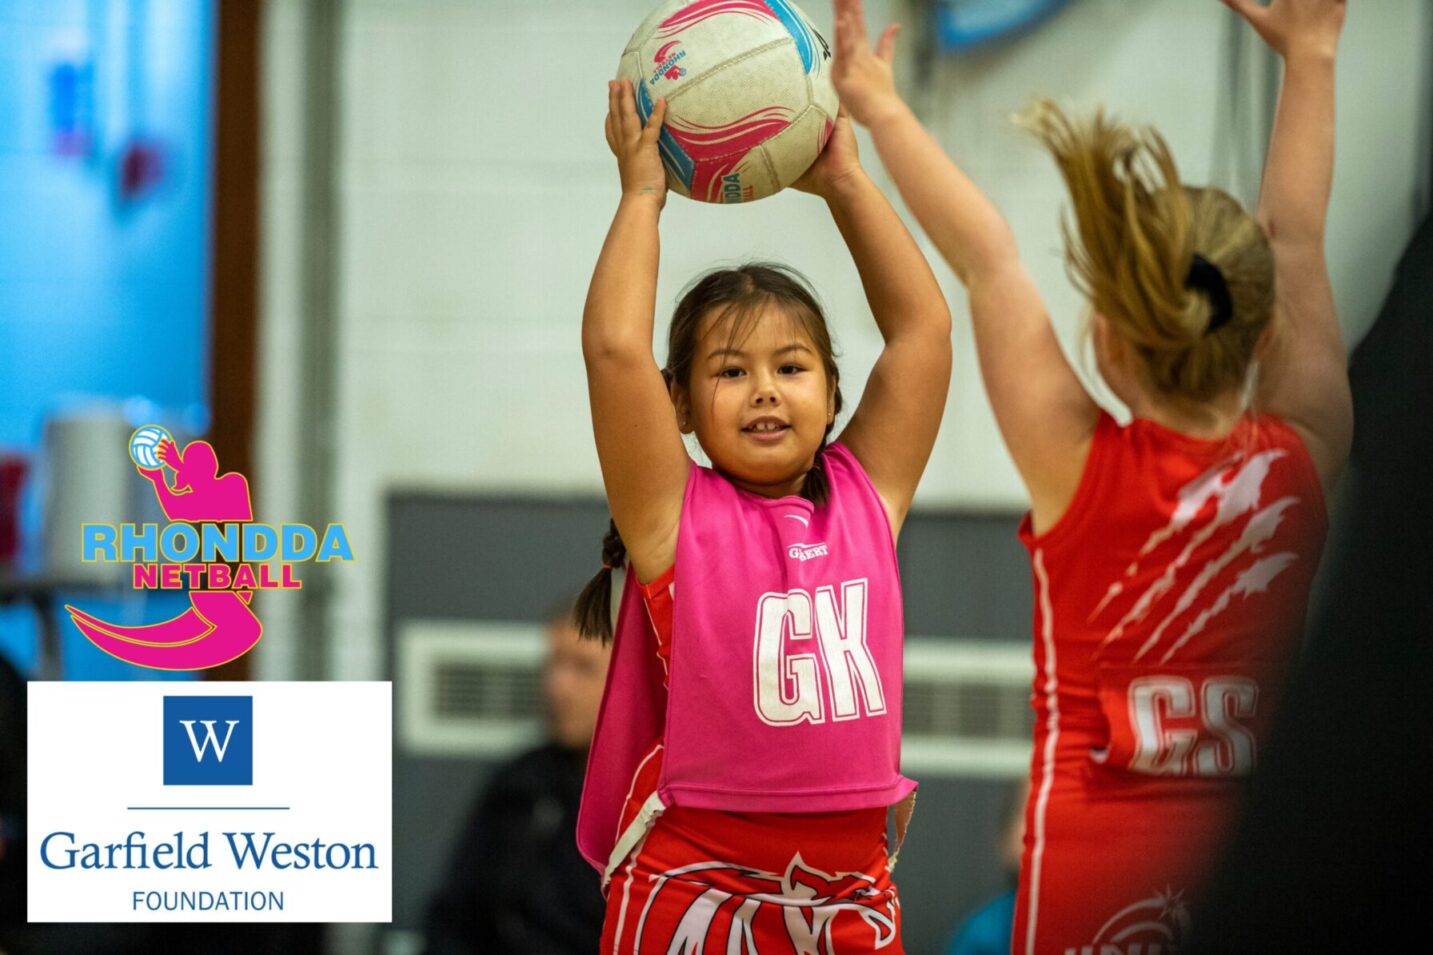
<point>967,708</point>
<point>468,688</point>
<point>475,689</point>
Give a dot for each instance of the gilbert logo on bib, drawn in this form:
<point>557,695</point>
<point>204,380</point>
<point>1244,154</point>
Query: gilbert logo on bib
<point>806,551</point>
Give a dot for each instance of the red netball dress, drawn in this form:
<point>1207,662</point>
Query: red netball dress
<point>1168,600</point>
<point>679,887</point>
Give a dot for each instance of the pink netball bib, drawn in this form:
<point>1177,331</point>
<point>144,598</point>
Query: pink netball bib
<point>785,682</point>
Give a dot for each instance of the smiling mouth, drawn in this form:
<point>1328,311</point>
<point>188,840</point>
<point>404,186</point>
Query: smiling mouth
<point>766,426</point>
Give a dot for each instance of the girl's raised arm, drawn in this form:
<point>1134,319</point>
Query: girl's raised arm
<point>894,427</point>
<point>1045,415</point>
<point>1304,374</point>
<point>644,462</point>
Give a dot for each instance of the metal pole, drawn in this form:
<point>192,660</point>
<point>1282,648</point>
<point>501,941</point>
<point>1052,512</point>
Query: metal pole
<point>318,419</point>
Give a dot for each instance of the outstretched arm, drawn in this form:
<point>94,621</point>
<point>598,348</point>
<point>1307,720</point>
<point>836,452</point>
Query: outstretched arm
<point>644,463</point>
<point>894,427</point>
<point>155,476</point>
<point>1044,413</point>
<point>1304,375</point>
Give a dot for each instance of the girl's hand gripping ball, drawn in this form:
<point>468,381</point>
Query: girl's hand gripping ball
<point>635,145</point>
<point>838,164</point>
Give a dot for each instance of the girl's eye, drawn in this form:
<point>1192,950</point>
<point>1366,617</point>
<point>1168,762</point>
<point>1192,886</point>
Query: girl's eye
<point>790,369</point>
<point>730,372</point>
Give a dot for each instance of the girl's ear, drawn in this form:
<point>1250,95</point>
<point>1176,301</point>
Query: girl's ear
<point>682,405</point>
<point>1100,335</point>
<point>1112,351</point>
<point>1264,343</point>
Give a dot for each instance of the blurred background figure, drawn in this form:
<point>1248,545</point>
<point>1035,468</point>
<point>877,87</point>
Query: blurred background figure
<point>516,883</point>
<point>987,930</point>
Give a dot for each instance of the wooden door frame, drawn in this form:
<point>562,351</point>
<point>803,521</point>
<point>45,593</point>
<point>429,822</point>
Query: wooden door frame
<point>234,245</point>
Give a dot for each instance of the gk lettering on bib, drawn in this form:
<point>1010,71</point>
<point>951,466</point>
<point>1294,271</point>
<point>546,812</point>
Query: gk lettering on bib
<point>806,644</point>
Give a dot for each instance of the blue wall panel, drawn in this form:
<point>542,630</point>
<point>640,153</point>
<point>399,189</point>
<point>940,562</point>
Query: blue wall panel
<point>106,132</point>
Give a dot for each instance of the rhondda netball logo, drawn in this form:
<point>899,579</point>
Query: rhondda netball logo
<point>667,59</point>
<point>211,546</point>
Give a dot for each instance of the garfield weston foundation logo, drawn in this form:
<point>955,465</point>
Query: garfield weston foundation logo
<point>211,547</point>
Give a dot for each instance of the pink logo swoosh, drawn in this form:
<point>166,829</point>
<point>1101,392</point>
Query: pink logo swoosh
<point>694,13</point>
<point>717,150</point>
<point>217,627</point>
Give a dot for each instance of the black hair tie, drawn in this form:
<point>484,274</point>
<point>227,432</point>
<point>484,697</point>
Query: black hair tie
<point>1204,276</point>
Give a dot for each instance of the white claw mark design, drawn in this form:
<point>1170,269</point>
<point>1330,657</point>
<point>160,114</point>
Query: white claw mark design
<point>1234,486</point>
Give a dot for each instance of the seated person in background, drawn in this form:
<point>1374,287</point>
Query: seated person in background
<point>516,883</point>
<point>986,931</point>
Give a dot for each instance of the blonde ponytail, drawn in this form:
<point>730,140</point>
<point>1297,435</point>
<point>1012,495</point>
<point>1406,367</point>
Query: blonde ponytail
<point>1131,249</point>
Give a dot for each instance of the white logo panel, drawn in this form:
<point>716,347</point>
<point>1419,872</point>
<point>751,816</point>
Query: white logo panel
<point>308,838</point>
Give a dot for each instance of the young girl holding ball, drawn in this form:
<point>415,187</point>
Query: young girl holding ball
<point>1172,556</point>
<point>749,742</point>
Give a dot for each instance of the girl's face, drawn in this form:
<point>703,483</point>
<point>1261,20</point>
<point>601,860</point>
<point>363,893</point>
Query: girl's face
<point>759,405</point>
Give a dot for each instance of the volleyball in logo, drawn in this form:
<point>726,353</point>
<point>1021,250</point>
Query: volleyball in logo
<point>144,445</point>
<point>749,97</point>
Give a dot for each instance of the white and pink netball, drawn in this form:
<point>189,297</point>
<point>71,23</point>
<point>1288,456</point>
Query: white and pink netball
<point>749,97</point>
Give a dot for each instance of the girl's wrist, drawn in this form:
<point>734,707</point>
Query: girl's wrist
<point>644,196</point>
<point>1307,54</point>
<point>892,111</point>
<point>846,186</point>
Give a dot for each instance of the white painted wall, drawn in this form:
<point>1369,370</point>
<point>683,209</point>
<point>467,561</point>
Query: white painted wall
<point>476,189</point>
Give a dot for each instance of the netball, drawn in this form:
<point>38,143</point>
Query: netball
<point>144,445</point>
<point>749,97</point>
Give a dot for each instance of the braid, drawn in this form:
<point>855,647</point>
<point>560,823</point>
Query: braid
<point>817,487</point>
<point>594,604</point>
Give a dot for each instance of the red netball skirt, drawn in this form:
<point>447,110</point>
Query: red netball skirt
<point>749,883</point>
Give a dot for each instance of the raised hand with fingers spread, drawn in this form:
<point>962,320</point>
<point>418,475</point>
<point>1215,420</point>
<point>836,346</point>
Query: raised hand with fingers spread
<point>1293,28</point>
<point>1303,374</point>
<point>1043,411</point>
<point>864,76</point>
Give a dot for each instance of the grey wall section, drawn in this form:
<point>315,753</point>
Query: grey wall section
<point>483,558</point>
<point>965,575</point>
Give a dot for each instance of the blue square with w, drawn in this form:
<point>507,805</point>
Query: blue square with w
<point>208,741</point>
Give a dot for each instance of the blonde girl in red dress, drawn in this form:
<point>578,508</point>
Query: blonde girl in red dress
<point>1172,556</point>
